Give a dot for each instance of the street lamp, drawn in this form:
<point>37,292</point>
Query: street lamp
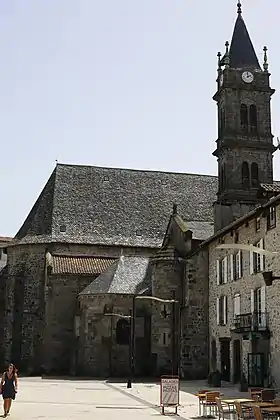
<point>269,277</point>
<point>131,318</point>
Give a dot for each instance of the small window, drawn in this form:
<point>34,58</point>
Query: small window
<point>258,259</point>
<point>255,174</point>
<point>258,224</point>
<point>244,118</point>
<point>106,178</point>
<point>253,119</point>
<point>245,174</point>
<point>62,228</point>
<point>138,232</point>
<point>236,237</point>
<point>271,218</point>
<point>223,310</point>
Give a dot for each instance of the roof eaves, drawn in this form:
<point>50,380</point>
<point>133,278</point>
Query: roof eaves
<point>240,221</point>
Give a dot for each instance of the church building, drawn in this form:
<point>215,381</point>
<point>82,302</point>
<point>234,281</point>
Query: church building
<point>100,243</point>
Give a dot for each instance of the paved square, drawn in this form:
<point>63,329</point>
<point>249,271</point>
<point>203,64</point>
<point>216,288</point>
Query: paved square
<point>72,399</point>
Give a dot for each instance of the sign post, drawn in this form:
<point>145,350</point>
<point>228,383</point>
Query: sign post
<point>169,392</point>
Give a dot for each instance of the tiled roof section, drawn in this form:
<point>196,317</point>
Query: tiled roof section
<point>271,187</point>
<point>80,265</point>
<point>130,275</point>
<point>108,206</point>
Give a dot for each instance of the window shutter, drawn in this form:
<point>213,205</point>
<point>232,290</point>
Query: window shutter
<point>225,310</point>
<point>218,311</point>
<point>225,270</point>
<point>231,267</point>
<point>251,261</point>
<point>218,272</point>
<point>261,255</point>
<point>252,301</point>
<point>263,303</point>
<point>240,265</point>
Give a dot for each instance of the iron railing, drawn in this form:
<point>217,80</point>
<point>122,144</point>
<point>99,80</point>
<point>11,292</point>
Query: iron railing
<point>257,321</point>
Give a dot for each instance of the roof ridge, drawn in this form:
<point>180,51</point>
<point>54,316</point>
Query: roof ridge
<point>135,170</point>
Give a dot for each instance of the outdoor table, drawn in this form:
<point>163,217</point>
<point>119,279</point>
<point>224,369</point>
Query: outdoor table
<point>241,400</point>
<point>260,404</point>
<point>272,410</point>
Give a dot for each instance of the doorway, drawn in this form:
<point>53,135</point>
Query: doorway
<point>237,361</point>
<point>225,359</point>
<point>256,369</point>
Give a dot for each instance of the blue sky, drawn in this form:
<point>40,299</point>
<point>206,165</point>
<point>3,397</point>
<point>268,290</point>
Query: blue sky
<point>120,83</point>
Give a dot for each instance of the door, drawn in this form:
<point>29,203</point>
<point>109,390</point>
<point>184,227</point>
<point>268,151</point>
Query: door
<point>225,359</point>
<point>256,369</point>
<point>237,361</point>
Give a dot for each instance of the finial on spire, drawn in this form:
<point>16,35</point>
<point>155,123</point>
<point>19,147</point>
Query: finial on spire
<point>265,63</point>
<point>239,8</point>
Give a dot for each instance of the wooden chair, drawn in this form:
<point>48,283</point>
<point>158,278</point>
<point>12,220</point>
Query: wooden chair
<point>243,413</point>
<point>201,399</point>
<point>255,393</point>
<point>210,403</point>
<point>223,409</point>
<point>268,395</point>
<point>257,413</point>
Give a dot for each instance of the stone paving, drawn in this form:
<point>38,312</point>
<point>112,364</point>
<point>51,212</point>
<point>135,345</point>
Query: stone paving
<point>71,399</point>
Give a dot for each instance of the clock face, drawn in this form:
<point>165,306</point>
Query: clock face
<point>247,77</point>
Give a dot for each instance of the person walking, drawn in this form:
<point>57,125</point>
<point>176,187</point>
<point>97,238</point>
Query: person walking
<point>8,387</point>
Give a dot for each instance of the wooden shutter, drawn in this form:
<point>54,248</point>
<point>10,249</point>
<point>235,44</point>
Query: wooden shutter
<point>225,310</point>
<point>231,267</point>
<point>225,270</point>
<point>252,301</point>
<point>237,304</point>
<point>263,302</point>
<point>218,272</point>
<point>261,255</point>
<point>218,311</point>
<point>251,261</point>
<point>240,264</point>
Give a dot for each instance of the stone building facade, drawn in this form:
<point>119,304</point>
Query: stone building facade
<point>99,243</point>
<point>244,316</point>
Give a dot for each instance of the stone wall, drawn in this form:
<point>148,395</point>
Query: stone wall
<point>98,352</point>
<point>195,332</point>
<point>247,234</point>
<point>61,292</point>
<point>24,306</point>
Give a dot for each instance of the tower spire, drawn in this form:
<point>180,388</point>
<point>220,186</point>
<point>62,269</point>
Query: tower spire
<point>242,53</point>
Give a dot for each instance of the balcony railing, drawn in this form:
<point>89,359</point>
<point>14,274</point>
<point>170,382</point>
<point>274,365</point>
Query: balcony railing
<point>257,321</point>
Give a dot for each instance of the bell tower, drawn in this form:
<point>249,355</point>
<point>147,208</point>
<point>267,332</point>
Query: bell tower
<point>244,148</point>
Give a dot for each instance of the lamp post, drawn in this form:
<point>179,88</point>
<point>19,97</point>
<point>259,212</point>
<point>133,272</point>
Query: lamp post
<point>131,318</point>
<point>174,329</point>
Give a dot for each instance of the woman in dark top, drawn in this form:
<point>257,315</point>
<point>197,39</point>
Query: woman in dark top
<point>8,388</point>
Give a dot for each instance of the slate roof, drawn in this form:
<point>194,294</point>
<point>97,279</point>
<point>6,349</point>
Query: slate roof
<point>109,206</point>
<point>65,264</point>
<point>242,53</point>
<point>129,275</point>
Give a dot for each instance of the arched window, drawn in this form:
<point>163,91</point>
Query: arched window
<point>253,118</point>
<point>123,332</point>
<point>244,117</point>
<point>245,174</point>
<point>255,174</point>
